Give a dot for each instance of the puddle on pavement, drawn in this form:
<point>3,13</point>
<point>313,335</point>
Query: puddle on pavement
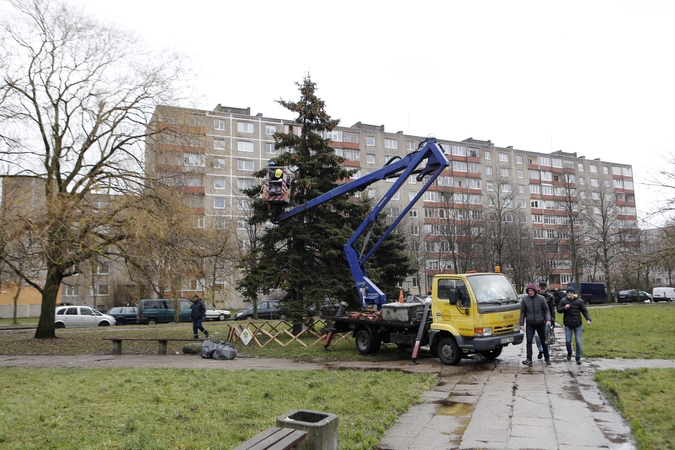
<point>447,408</point>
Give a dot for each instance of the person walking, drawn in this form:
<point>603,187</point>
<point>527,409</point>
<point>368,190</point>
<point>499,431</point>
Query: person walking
<point>550,300</point>
<point>534,311</point>
<point>572,307</point>
<point>197,316</point>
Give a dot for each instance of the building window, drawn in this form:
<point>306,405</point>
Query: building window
<point>412,179</point>
<point>372,193</point>
<point>245,127</point>
<point>72,291</point>
<point>370,141</point>
<point>521,189</point>
<point>201,222</point>
<point>459,166</point>
<point>192,160</point>
<point>605,170</point>
<point>519,159</point>
<point>219,124</point>
<point>218,203</point>
<point>458,150</point>
<point>534,175</point>
<point>352,155</point>
<point>473,152</point>
<point>219,144</point>
<point>390,143</point>
<point>246,165</point>
<point>488,170</point>
<point>504,157</point>
<point>582,181</point>
<point>595,182</point>
<point>218,163</point>
<point>102,290</point>
<point>557,162</point>
<point>544,161</point>
<point>103,268</point>
<point>245,146</point>
<point>410,146</point>
<point>535,204</point>
<point>270,130</point>
<point>269,149</point>
<point>413,213</point>
<point>244,183</point>
<point>219,183</point>
<point>593,168</point>
<point>474,168</point>
<point>580,167</point>
<point>546,176</point>
<point>537,218</point>
<point>475,183</point>
<point>487,154</point>
<point>520,174</point>
<point>505,172</point>
<point>535,189</point>
<point>370,158</point>
<point>490,186</point>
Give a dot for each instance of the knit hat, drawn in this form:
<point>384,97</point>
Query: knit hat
<point>542,284</point>
<point>571,289</point>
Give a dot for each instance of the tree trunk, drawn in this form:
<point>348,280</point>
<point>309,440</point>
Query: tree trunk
<point>16,299</point>
<point>45,327</point>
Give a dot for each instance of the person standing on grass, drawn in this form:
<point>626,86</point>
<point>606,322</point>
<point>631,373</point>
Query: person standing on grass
<point>551,307</point>
<point>572,307</point>
<point>197,316</point>
<point>534,310</point>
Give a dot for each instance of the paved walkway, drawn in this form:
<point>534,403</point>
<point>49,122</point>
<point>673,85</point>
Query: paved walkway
<point>477,404</point>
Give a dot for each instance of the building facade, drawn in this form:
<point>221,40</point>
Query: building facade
<point>213,155</point>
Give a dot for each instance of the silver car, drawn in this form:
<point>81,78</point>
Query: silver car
<point>81,316</point>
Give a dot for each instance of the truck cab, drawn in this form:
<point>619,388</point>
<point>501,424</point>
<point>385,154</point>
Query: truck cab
<point>473,313</point>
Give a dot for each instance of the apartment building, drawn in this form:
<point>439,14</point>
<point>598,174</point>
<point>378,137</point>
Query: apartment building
<point>213,155</point>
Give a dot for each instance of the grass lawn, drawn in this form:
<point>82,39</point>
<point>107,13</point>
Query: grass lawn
<point>631,331</point>
<point>646,400</point>
<point>191,409</point>
<point>173,408</point>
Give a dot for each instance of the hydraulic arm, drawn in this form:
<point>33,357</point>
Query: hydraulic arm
<point>279,189</point>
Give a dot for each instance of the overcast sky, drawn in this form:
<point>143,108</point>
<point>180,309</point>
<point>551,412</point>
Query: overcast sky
<point>592,77</point>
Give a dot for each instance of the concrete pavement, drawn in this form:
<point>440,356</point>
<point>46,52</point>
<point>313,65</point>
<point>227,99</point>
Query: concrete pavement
<point>477,404</point>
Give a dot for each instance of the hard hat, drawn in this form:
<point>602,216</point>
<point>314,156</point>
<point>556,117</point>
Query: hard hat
<point>278,173</point>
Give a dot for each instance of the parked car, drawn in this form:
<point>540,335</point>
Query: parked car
<point>124,314</point>
<point>160,310</point>
<point>328,308</point>
<point>81,316</point>
<point>591,292</point>
<point>666,294</point>
<point>216,314</point>
<point>267,309</point>
<point>633,296</point>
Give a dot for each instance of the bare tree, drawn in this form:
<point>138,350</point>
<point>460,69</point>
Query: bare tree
<point>75,98</point>
<point>501,211</point>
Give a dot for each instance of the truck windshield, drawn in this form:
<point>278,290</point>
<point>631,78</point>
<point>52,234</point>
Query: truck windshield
<point>492,289</point>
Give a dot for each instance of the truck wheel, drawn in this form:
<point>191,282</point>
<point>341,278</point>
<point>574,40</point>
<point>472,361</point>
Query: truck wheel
<point>365,344</point>
<point>152,321</point>
<point>448,351</point>
<point>492,354</point>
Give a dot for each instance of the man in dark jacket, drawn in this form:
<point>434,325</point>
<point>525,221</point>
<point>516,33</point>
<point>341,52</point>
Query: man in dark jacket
<point>571,308</point>
<point>534,309</point>
<point>551,307</point>
<point>198,314</point>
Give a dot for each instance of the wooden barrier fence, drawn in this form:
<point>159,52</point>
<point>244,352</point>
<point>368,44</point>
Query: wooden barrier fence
<point>281,333</point>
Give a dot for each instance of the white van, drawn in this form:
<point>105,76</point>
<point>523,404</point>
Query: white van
<point>665,294</point>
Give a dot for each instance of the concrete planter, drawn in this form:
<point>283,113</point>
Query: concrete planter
<point>321,428</point>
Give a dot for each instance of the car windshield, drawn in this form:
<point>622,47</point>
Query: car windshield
<point>492,289</point>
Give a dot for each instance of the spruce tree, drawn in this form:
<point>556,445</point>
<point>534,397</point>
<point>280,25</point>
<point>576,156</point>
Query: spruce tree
<point>303,255</point>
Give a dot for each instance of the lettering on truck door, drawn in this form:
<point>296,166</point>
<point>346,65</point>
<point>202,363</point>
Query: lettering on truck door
<point>454,315</point>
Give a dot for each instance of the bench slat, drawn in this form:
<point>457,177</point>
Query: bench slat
<point>117,343</point>
<point>273,438</point>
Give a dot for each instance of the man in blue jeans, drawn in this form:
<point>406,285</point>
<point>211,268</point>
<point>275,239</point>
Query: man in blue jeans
<point>572,307</point>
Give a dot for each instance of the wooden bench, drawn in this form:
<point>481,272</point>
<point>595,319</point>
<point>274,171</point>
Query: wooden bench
<point>117,343</point>
<point>274,438</point>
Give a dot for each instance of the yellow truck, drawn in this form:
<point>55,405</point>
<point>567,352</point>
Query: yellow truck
<point>467,314</point>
